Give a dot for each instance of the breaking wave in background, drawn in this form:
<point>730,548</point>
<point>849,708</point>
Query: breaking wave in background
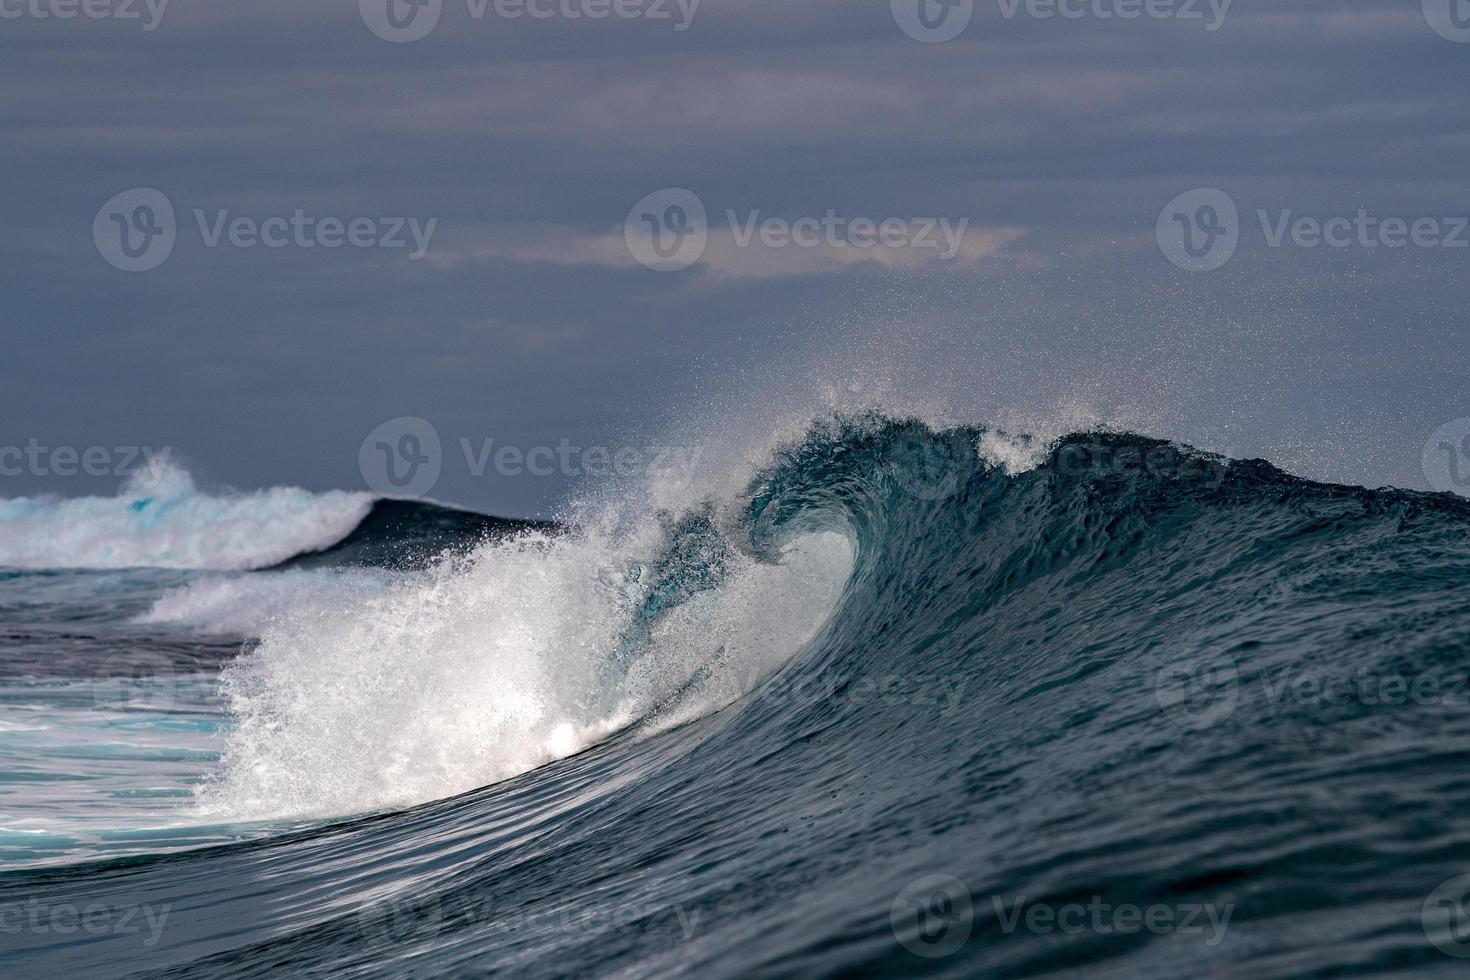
<point>160,520</point>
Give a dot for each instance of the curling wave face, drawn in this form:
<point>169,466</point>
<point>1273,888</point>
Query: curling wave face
<point>908,685</point>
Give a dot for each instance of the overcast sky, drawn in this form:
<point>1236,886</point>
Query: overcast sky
<point>1049,146</point>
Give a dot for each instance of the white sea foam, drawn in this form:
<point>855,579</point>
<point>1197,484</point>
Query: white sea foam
<point>244,605</point>
<point>159,519</point>
<point>487,667</point>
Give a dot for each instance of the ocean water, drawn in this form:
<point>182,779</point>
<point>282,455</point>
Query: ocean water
<point>905,701</point>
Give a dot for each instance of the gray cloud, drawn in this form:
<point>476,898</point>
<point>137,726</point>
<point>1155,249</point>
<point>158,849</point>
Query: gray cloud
<point>1058,141</point>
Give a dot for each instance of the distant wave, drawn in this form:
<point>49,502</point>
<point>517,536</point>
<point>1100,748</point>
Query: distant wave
<point>409,534</point>
<point>160,520</point>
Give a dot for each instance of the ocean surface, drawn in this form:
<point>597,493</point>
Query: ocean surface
<point>901,701</point>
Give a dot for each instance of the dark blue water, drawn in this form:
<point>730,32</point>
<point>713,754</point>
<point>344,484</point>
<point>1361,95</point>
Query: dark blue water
<point>1136,711</point>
